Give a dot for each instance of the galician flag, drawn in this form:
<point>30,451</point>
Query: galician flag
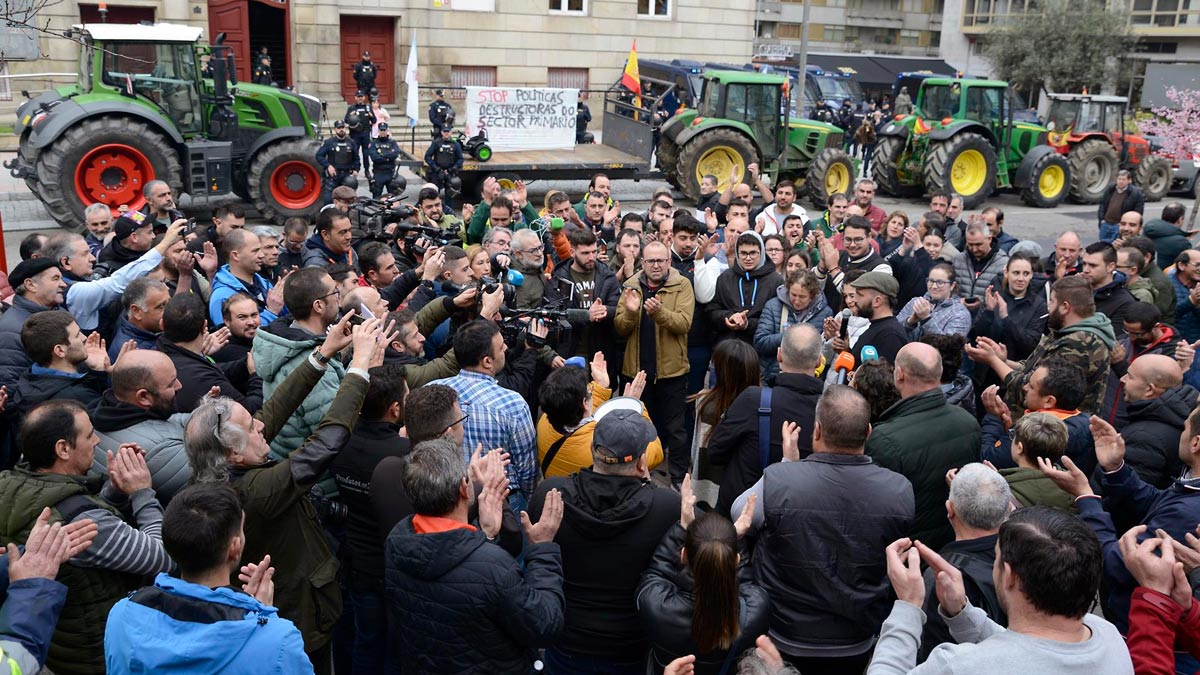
<point>410,80</point>
<point>630,79</point>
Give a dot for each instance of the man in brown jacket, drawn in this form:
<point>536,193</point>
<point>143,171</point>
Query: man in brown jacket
<point>655,314</point>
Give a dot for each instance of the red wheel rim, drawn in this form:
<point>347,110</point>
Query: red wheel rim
<point>295,185</point>
<point>113,174</point>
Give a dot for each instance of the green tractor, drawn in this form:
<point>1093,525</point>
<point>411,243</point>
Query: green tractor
<point>742,119</point>
<point>961,138</point>
<point>143,110</point>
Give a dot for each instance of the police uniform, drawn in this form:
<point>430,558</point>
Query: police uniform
<point>383,152</point>
<point>359,120</point>
<point>365,72</point>
<point>342,155</point>
<point>444,159</point>
<point>437,114</point>
<point>262,73</point>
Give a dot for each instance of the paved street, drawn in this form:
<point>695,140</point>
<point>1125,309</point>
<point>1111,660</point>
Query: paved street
<point>22,212</point>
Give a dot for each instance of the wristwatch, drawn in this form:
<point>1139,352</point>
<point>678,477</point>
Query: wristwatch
<point>321,358</point>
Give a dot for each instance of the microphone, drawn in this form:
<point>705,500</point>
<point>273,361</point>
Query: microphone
<point>514,277</point>
<point>842,366</point>
<point>578,317</point>
<point>868,353</point>
<point>846,314</point>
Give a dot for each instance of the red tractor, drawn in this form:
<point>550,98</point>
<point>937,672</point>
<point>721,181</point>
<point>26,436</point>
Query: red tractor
<point>1090,131</point>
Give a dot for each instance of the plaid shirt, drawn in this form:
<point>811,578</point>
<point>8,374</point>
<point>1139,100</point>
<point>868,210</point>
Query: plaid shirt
<point>498,418</point>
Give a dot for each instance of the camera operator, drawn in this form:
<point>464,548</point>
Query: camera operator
<point>432,212</point>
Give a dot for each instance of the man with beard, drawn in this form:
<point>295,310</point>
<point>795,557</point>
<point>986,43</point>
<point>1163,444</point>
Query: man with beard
<point>240,275</point>
<point>876,302</point>
<point>589,284</point>
<point>240,313</point>
<point>1113,299</point>
<point>140,408</point>
<point>98,220</point>
<point>184,338</point>
<point>160,206</point>
<point>408,347</point>
<point>133,235</point>
<point>770,221</point>
<point>857,255</point>
<point>529,258</point>
<point>65,364</point>
<point>1078,335</point>
<point>185,272</point>
<point>330,244</point>
<point>864,195</point>
<point>224,219</point>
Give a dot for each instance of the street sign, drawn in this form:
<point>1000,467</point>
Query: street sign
<point>773,52</point>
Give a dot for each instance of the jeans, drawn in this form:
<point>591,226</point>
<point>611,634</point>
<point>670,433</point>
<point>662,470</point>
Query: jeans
<point>372,653</point>
<point>559,662</point>
<point>1108,232</point>
<point>665,400</point>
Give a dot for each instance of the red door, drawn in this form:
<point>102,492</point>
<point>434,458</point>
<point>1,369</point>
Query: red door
<point>375,34</point>
<point>272,28</point>
<point>232,17</point>
<point>90,13</point>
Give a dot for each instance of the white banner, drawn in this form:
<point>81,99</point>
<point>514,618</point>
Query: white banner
<point>523,118</point>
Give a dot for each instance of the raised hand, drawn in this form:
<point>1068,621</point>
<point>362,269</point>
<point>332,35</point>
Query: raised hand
<point>365,336</point>
<point>97,353</point>
<point>128,469</point>
<point>631,300</point>
<point>597,311</point>
<point>710,221</point>
<point>547,526</point>
<point>1185,354</point>
<point>213,342</point>
<point>922,309</point>
<point>951,593</point>
<point>599,370</point>
<point>466,298</point>
<point>653,305</point>
<point>47,547</point>
<point>432,264</point>
<point>687,502</point>
<point>339,335</point>
<point>1161,572</point>
<point>791,441</point>
<point>684,665</point>
<point>1110,446</point>
<point>742,524</point>
<point>491,303</point>
<point>209,262</point>
<point>635,388</point>
<point>994,405</point>
<point>257,580</point>
<point>1072,481</point>
<point>129,346</point>
<point>904,571</point>
<point>275,298</point>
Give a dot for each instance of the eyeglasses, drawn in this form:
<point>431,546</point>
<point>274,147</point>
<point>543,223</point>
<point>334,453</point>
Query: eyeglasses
<point>854,240</point>
<point>335,291</point>
<point>748,254</point>
<point>458,421</point>
<point>937,283</point>
<point>775,250</point>
<point>533,249</point>
<point>654,262</point>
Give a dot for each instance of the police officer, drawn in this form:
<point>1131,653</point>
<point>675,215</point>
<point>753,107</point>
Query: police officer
<point>262,70</point>
<point>438,110</point>
<point>583,116</point>
<point>823,112</point>
<point>338,157</point>
<point>359,120</point>
<point>384,153</point>
<point>365,72</point>
<point>444,158</point>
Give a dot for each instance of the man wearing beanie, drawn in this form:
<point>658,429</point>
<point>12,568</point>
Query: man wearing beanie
<point>132,236</point>
<point>39,287</point>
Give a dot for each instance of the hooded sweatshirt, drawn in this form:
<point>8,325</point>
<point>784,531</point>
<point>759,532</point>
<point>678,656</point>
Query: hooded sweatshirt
<point>610,528</point>
<point>1087,343</point>
<point>739,289</point>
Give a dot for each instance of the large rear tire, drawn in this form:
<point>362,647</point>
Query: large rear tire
<point>964,164</point>
<point>884,168</point>
<point>1093,168</point>
<point>284,180</point>
<point>831,172</point>
<point>667,159</point>
<point>1049,182</point>
<point>1153,175</point>
<point>105,160</point>
<point>715,152</point>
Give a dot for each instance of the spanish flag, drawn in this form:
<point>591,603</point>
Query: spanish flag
<point>630,79</point>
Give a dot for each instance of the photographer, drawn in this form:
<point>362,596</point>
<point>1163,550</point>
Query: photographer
<point>431,212</point>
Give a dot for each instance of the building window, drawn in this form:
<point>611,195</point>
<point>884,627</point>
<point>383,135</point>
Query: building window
<point>470,76</point>
<point>790,31</point>
<point>834,34</point>
<point>5,83</point>
<point>910,38</point>
<point>568,78</point>
<point>655,8</point>
<point>572,6</point>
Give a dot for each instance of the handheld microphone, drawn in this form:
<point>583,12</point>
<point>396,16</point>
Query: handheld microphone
<point>842,366</point>
<point>514,277</point>
<point>846,313</point>
<point>868,353</point>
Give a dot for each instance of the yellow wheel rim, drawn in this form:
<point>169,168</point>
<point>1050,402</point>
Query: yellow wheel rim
<point>837,180</point>
<point>718,161</point>
<point>506,184</point>
<point>968,172</point>
<point>1052,181</point>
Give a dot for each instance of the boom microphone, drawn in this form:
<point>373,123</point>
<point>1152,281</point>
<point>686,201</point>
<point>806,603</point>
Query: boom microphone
<point>573,316</point>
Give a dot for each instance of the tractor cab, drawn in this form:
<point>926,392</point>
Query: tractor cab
<point>1074,116</point>
<point>754,100</point>
<point>944,101</point>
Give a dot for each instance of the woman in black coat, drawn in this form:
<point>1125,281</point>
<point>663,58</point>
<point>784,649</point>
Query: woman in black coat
<point>691,599</point>
<point>1014,315</point>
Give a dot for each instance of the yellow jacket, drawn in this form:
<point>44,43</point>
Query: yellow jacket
<point>576,451</point>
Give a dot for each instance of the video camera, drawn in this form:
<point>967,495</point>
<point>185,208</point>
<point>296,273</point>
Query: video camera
<point>558,321</point>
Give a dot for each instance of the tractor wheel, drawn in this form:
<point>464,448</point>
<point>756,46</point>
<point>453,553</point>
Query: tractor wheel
<point>884,163</point>
<point>667,158</point>
<point>717,152</point>
<point>1093,169</point>
<point>831,172</point>
<point>106,160</point>
<point>965,165</point>
<point>1153,175</point>
<point>284,180</point>
<point>1048,182</point>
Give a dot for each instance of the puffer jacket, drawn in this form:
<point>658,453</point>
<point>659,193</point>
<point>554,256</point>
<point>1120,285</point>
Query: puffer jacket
<point>13,359</point>
<point>225,286</point>
<point>948,317</point>
<point>1187,315</point>
<point>995,444</point>
<point>1169,241</point>
<point>665,600</point>
<point>278,350</point>
<point>1031,487</point>
<point>607,290</point>
<point>671,325</point>
<point>127,331</point>
<point>1152,435</point>
<point>316,254</point>
<point>922,437</point>
<point>1114,301</point>
<point>160,437</point>
<point>974,276</point>
<point>42,384</point>
<point>777,315</point>
<point>465,604</point>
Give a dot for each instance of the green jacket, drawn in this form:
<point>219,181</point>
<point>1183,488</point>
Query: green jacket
<point>1164,292</point>
<point>1143,290</point>
<point>280,518</point>
<point>481,221</point>
<point>922,437</point>
<point>1031,487</point>
<point>1087,344</point>
<point>671,325</point>
<point>77,647</point>
<point>428,319</point>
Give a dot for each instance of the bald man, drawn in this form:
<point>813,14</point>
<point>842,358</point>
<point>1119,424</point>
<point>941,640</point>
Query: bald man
<point>365,296</point>
<point>1129,227</point>
<point>1065,260</point>
<point>240,275</point>
<point>1158,405</point>
<point>140,408</point>
<point>923,437</point>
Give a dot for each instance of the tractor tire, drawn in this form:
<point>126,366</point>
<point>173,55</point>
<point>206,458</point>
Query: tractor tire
<point>965,165</point>
<point>1153,175</point>
<point>884,161</point>
<point>831,172</point>
<point>1093,168</point>
<point>105,160</point>
<point>1049,182</point>
<point>285,181</point>
<point>667,158</point>
<point>714,152</point>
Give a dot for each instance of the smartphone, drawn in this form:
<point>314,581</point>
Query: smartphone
<point>189,229</point>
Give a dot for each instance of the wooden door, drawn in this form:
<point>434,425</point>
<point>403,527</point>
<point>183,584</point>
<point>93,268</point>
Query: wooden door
<point>375,34</point>
<point>232,17</point>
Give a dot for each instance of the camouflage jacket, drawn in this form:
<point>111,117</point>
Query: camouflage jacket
<point>1087,344</point>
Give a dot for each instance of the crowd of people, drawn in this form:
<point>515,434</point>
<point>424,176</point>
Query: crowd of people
<point>575,439</point>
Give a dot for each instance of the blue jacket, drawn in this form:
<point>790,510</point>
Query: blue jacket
<point>126,332</point>
<point>1175,509</point>
<point>179,627</point>
<point>769,334</point>
<point>27,619</point>
<point>996,446</point>
<point>1187,315</point>
<point>225,284</point>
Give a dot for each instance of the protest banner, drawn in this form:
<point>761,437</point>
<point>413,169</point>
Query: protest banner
<point>523,118</point>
